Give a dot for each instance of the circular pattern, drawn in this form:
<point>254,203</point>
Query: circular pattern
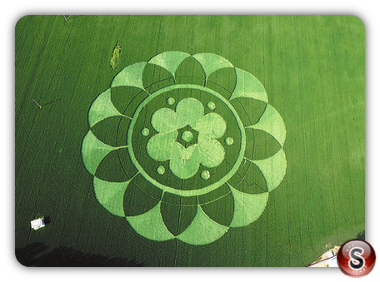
<point>160,170</point>
<point>229,141</point>
<point>185,162</point>
<point>187,136</point>
<point>211,105</point>
<point>186,144</point>
<point>205,174</point>
<point>145,132</point>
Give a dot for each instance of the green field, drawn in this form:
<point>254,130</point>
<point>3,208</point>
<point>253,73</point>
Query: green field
<point>177,155</point>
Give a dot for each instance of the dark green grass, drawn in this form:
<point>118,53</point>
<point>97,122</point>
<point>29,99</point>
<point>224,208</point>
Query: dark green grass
<point>313,70</point>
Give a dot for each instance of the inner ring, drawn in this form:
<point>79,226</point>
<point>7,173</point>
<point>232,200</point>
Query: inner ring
<point>165,188</point>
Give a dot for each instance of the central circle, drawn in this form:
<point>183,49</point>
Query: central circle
<point>145,165</point>
<point>187,136</point>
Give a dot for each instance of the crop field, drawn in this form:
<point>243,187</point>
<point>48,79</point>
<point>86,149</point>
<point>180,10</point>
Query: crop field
<point>188,140</point>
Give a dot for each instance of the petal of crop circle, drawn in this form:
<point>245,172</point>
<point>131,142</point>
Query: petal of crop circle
<point>272,122</point>
<point>93,151</point>
<point>111,195</point>
<point>169,60</point>
<point>184,161</point>
<point>164,120</point>
<point>210,153</point>
<point>188,111</point>
<point>203,230</point>
<point>212,62</point>
<point>102,108</point>
<point>273,169</point>
<point>151,225</point>
<point>211,126</point>
<point>249,86</point>
<point>130,76</point>
<point>160,146</point>
<point>247,207</point>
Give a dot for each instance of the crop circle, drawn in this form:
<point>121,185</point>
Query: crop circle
<point>170,128</point>
<point>185,141</point>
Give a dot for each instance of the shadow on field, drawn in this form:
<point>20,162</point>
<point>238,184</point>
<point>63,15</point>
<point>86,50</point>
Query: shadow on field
<point>36,254</point>
<point>361,235</point>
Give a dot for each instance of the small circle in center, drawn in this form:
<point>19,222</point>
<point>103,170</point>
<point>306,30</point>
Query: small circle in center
<point>187,136</point>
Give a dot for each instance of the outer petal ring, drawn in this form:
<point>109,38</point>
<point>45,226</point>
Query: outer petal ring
<point>203,229</point>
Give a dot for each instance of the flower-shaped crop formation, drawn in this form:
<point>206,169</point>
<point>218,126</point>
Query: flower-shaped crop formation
<point>185,162</point>
<point>191,153</point>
